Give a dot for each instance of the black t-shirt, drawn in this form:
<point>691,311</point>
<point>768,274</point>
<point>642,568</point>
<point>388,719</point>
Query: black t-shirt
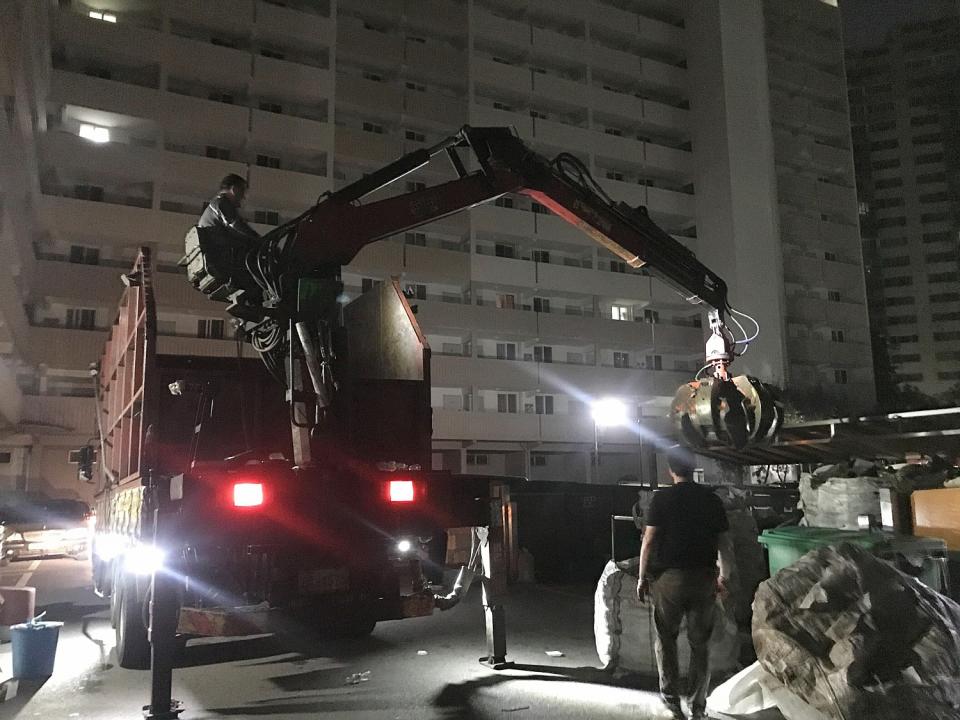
<point>688,518</point>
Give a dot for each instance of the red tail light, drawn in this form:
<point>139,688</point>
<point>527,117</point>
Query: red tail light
<point>247,494</point>
<point>401,491</point>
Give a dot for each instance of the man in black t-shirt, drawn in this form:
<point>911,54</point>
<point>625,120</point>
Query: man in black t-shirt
<point>686,531</point>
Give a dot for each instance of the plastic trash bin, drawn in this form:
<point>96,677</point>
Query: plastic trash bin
<point>34,649</point>
<point>787,545</point>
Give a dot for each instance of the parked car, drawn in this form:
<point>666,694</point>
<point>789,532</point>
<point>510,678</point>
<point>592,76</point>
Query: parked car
<point>46,527</point>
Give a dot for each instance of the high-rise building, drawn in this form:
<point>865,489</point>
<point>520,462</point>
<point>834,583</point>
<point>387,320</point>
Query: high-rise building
<point>905,110</point>
<point>724,124</point>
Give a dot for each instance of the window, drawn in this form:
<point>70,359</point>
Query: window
<point>419,87</point>
<point>83,255</point>
<point>613,175</point>
<point>928,158</point>
<point>218,153</point>
<point>934,197</point>
<point>881,203</point>
<point>539,209</point>
<point>913,357</point>
<point>840,376</point>
<point>375,77</point>
<point>900,300</point>
<point>936,237</point>
<point>927,139</point>
<point>266,217</point>
<point>902,339</point>
<point>946,336</point>
<point>949,375</point>
<point>891,222</point>
<point>375,128</point>
<point>507,403</point>
<point>901,319</point>
<point>502,106</point>
<point>538,460</point>
<point>476,459</point>
<point>621,359</point>
<point>367,284</point>
<point>943,277</point>
<point>925,178</point>
<point>830,256</point>
<point>543,353</point>
<point>506,301</point>
<point>416,186</point>
<point>536,114</point>
<point>891,144</point>
<point>268,161</point>
<point>212,329</point>
<point>945,297</point>
<point>415,238</point>
<point>946,316</point>
<point>613,131</point>
<point>541,305</point>
<point>415,290</point>
<point>504,202</point>
<point>415,136</point>
<point>271,107</point>
<point>541,256</point>
<point>837,336</point>
<point>503,250</point>
<point>900,281</point>
<point>934,217</point>
<point>506,351</point>
<point>619,312</point>
<point>618,266</point>
<point>833,295</point>
<point>416,39</point>
<point>88,192</point>
<point>5,458</point>
<point>911,377</point>
<point>885,164</point>
<point>275,54</point>
<point>894,242</point>
<point>939,257</point>
<point>921,120</point>
<point>222,42</point>
<point>651,316</point>
<point>543,405</point>
<point>99,72</point>
<point>81,318</point>
<point>653,362</point>
<point>105,17</point>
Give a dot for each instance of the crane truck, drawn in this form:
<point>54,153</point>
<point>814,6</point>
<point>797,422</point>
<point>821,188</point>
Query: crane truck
<point>301,483</point>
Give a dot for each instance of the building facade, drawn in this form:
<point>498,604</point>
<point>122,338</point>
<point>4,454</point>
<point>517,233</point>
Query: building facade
<point>905,109</point>
<point>136,109</point>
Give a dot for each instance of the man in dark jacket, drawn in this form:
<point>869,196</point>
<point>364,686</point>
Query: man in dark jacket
<point>224,210</point>
<point>686,531</point>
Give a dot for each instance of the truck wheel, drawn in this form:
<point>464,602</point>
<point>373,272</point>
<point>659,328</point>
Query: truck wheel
<point>356,626</point>
<point>133,646</point>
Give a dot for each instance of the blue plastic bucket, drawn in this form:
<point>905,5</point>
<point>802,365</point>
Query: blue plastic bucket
<point>34,649</point>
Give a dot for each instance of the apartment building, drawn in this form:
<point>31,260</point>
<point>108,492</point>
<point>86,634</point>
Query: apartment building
<point>904,108</point>
<point>134,110</point>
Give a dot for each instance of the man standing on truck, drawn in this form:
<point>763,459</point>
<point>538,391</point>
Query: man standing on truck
<point>224,210</point>
<point>685,534</point>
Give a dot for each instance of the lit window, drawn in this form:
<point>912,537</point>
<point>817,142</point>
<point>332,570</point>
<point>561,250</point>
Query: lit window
<point>94,133</point>
<point>106,17</point>
<point>619,312</point>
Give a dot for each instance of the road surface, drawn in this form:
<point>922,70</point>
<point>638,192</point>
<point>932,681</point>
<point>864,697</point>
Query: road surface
<point>419,669</point>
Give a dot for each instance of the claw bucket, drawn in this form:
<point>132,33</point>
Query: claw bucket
<point>34,649</point>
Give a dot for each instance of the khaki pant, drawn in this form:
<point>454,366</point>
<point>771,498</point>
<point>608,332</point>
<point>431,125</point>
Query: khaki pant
<point>692,594</point>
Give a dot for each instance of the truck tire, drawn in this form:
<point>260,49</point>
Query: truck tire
<point>133,646</point>
<point>354,626</point>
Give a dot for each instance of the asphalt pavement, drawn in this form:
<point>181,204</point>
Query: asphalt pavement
<point>420,668</point>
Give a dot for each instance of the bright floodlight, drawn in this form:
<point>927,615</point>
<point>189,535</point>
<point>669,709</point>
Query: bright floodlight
<point>94,133</point>
<point>404,546</point>
<point>609,412</point>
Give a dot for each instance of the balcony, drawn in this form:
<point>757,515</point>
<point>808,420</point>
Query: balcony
<point>436,264</point>
<point>63,348</point>
<point>167,345</point>
<point>436,16</point>
<point>369,47</point>
<point>626,286</point>
<point>204,62</point>
<point>554,229</point>
<point>561,92</point>
<point>823,352</point>
<point>557,46</point>
<point>186,116</point>
<point>285,80</point>
<point>73,414</point>
<point>380,259</point>
<point>489,426</point>
<point>439,63</point>
<point>491,218</point>
<point>680,208</point>
<point>71,88</point>
<point>366,146</point>
<point>565,138</point>
<point>272,130</point>
<point>119,162</point>
<point>435,316</point>
<point>503,271</point>
<point>126,42</point>
<point>512,80</point>
<point>232,18</point>
<point>485,116</point>
<point>501,30</point>
<point>668,162</point>
<point>193,175</point>
<point>380,98</point>
<point>284,25</point>
<point>441,111</point>
<point>285,188</point>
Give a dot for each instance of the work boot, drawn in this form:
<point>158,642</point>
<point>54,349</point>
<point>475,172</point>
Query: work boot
<point>676,711</point>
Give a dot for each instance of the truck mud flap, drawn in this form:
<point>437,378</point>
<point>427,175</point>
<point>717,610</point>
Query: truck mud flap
<point>226,622</point>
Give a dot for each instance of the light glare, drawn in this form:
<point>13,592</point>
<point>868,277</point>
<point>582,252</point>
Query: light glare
<point>403,546</point>
<point>609,412</point>
<point>401,491</point>
<point>109,18</point>
<point>247,494</point>
<point>94,133</point>
<point>144,559</point>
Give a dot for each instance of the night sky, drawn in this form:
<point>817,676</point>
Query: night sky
<point>866,22</point>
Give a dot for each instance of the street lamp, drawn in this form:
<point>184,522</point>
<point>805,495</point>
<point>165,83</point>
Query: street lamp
<point>606,412</point>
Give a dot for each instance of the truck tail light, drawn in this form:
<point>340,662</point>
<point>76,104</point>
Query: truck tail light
<point>247,494</point>
<point>401,491</point>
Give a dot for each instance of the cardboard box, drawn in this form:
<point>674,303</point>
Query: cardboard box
<point>936,514</point>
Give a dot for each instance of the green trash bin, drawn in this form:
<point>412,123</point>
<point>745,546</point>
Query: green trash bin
<point>923,558</point>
